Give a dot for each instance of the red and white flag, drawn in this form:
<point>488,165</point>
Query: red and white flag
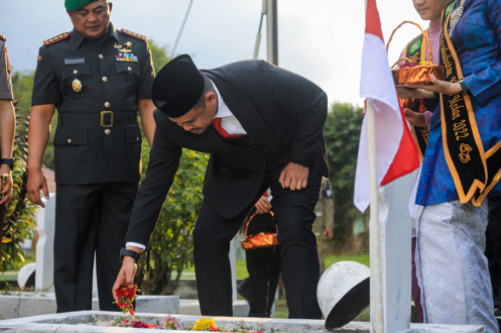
<point>396,151</point>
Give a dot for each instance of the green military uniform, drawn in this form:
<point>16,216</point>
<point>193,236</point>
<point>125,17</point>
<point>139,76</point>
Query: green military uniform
<point>5,78</point>
<point>324,209</point>
<point>96,86</point>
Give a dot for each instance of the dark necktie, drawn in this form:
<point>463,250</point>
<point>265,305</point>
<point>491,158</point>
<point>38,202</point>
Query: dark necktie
<point>216,122</point>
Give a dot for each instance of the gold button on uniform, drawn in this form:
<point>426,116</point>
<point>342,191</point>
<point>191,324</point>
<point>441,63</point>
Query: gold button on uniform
<point>105,79</point>
<point>107,131</point>
<point>129,68</point>
<point>137,139</point>
<point>107,104</point>
<point>75,71</point>
<point>69,140</point>
<point>100,56</point>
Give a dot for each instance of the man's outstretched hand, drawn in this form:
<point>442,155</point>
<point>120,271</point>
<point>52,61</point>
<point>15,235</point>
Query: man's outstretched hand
<point>125,276</point>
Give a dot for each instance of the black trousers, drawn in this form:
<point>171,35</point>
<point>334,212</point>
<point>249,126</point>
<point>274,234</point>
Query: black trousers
<point>90,219</point>
<point>294,216</point>
<point>493,247</point>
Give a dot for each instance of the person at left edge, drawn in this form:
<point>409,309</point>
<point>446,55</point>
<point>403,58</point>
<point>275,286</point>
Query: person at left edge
<point>7,123</point>
<point>98,78</point>
<point>272,121</point>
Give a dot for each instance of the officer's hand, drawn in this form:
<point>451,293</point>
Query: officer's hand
<point>329,232</point>
<point>294,176</point>
<point>37,183</point>
<point>125,276</point>
<point>263,206</point>
<point>5,189</point>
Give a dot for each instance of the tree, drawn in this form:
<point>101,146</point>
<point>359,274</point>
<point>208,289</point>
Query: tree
<point>19,218</point>
<point>159,55</point>
<point>171,245</point>
<point>22,83</point>
<point>342,134</point>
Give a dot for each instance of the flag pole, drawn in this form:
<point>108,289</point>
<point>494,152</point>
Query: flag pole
<point>377,305</point>
<point>272,30</point>
<point>376,287</point>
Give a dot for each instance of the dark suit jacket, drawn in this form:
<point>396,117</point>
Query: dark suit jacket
<point>283,115</point>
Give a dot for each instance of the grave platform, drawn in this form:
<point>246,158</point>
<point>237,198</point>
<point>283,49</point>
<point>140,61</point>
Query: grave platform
<point>84,321</point>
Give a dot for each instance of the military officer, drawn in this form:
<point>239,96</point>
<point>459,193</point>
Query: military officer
<point>98,78</point>
<point>7,123</point>
<point>323,226</point>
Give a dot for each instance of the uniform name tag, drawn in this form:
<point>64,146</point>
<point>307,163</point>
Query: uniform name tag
<point>74,61</point>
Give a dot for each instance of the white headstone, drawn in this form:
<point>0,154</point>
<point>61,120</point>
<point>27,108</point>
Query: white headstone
<point>46,221</point>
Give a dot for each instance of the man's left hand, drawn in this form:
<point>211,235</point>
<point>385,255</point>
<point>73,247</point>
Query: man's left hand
<point>294,176</point>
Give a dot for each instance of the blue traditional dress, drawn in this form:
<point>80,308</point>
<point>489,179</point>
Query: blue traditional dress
<point>477,39</point>
<point>452,268</point>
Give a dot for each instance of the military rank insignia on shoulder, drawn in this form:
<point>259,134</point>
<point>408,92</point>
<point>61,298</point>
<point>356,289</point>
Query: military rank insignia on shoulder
<point>2,37</point>
<point>56,39</point>
<point>133,34</point>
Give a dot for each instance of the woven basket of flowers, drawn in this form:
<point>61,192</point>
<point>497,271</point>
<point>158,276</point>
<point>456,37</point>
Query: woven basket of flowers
<point>260,240</point>
<point>406,72</point>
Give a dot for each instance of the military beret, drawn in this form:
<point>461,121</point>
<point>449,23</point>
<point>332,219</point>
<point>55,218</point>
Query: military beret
<point>72,5</point>
<point>177,87</point>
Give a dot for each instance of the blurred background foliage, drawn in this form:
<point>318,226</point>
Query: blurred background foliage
<point>19,217</point>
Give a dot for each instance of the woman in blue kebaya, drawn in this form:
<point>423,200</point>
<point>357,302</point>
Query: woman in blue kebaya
<point>461,166</point>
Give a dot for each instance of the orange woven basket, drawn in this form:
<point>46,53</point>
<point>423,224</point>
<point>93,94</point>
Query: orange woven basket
<point>408,75</point>
<point>263,239</point>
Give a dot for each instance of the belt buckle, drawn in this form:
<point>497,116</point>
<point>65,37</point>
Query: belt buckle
<point>104,116</point>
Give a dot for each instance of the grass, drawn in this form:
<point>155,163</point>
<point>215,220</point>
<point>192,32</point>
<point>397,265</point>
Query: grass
<point>241,269</point>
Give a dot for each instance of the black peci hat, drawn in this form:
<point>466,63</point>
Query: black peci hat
<point>178,87</point>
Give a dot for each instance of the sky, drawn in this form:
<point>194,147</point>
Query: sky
<point>318,39</point>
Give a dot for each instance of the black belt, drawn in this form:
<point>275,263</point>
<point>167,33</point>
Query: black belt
<point>102,119</point>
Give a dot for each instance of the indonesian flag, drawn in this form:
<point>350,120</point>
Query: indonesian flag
<point>396,152</point>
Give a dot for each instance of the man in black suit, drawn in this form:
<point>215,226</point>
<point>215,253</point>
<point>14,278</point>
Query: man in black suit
<point>271,137</point>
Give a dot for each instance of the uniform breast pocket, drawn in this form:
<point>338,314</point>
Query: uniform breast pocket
<point>76,78</point>
<point>128,76</point>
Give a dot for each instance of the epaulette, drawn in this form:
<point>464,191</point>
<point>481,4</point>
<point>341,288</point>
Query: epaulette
<point>2,37</point>
<point>133,34</point>
<point>56,39</point>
